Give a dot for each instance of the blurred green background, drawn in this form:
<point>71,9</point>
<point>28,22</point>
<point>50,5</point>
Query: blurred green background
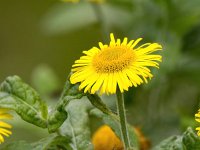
<point>43,38</point>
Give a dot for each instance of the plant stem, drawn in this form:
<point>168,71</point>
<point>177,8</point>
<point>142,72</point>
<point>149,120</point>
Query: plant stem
<point>122,116</point>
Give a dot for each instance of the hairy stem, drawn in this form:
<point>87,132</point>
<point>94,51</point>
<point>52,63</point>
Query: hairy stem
<point>122,116</point>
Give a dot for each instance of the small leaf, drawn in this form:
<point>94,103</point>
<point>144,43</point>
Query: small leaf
<point>24,100</point>
<point>58,115</point>
<point>98,103</point>
<point>188,141</point>
<point>56,118</point>
<point>77,125</point>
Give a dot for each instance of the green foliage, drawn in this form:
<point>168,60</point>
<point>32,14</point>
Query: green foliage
<point>58,115</point>
<point>20,97</point>
<point>98,103</point>
<point>77,125</point>
<point>68,18</point>
<point>188,141</point>
<point>173,93</point>
<point>18,145</point>
<point>112,120</point>
<point>53,142</point>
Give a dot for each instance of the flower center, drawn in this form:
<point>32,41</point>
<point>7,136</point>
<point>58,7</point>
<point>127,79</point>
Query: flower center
<point>113,59</point>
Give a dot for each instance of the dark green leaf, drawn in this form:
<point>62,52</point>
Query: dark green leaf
<point>24,100</point>
<point>58,115</point>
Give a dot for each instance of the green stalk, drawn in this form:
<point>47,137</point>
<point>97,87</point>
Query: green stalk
<point>122,116</point>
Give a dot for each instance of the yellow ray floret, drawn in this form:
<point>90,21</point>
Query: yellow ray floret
<point>4,127</point>
<point>197,118</point>
<point>120,63</point>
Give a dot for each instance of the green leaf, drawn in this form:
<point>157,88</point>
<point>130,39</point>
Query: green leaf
<point>17,145</point>
<point>171,143</point>
<point>77,125</point>
<point>98,103</point>
<point>58,115</point>
<point>56,118</point>
<point>24,100</point>
<point>191,140</point>
<point>188,141</point>
<point>52,142</point>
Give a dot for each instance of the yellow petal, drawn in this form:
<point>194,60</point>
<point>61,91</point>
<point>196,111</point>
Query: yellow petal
<point>98,84</point>
<point>136,42</point>
<point>5,125</point>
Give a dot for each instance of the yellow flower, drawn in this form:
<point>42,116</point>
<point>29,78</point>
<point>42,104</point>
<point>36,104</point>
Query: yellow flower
<point>119,64</point>
<point>4,127</point>
<point>197,118</point>
<point>105,139</point>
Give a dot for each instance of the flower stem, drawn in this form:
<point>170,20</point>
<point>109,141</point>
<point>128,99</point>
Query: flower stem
<point>122,116</point>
